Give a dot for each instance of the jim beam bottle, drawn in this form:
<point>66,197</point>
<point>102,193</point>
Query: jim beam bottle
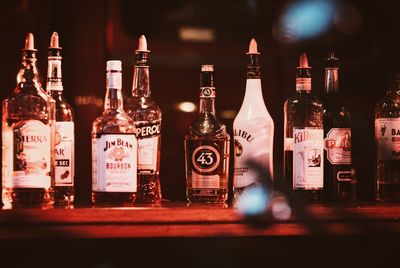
<point>114,147</point>
<point>147,118</point>
<point>28,138</point>
<point>387,136</point>
<point>303,143</point>
<point>253,129</point>
<point>207,148</point>
<point>337,133</point>
<point>64,125</point>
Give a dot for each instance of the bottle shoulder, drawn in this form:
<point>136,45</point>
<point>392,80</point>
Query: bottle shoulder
<point>389,105</point>
<point>207,126</point>
<point>64,111</point>
<point>113,123</point>
<point>304,99</point>
<point>142,109</point>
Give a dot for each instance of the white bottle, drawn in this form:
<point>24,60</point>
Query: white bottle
<point>253,130</point>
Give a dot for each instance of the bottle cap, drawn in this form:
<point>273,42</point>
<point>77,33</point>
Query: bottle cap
<point>114,65</point>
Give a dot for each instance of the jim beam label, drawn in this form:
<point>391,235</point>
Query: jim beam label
<point>31,162</point>
<point>338,146</point>
<point>114,163</point>
<point>308,172</point>
<point>64,154</point>
<point>148,142</point>
<point>205,161</point>
<point>250,144</point>
<point>387,135</point>
<point>207,92</point>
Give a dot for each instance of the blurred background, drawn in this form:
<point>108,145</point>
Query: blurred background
<point>182,35</point>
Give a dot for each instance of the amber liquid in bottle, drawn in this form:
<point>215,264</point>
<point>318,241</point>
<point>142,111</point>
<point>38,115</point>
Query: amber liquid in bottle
<point>65,129</point>
<point>147,119</point>
<point>207,149</point>
<point>387,136</point>
<point>28,139</point>
<point>114,148</point>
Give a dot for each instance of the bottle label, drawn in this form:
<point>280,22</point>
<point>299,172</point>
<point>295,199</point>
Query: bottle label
<point>31,155</point>
<point>54,76</point>
<point>209,164</point>
<point>64,154</point>
<point>387,135</point>
<point>308,172</point>
<point>114,163</point>
<point>207,92</point>
<point>148,140</point>
<point>338,146</point>
<point>253,142</point>
<point>303,84</point>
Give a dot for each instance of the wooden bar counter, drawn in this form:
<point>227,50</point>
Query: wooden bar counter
<point>175,234</point>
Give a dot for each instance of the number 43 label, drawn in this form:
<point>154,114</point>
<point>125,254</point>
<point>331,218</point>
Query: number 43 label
<point>205,158</point>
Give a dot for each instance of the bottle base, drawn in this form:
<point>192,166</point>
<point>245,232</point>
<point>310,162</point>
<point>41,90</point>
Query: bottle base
<point>207,195</point>
<point>388,192</point>
<point>64,195</point>
<point>113,198</point>
<point>149,189</point>
<point>27,197</point>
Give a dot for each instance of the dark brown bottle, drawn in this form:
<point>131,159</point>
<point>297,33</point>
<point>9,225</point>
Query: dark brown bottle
<point>337,132</point>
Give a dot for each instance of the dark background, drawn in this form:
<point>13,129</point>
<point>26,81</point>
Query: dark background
<point>364,36</point>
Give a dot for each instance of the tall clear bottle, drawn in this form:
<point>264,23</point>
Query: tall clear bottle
<point>337,133</point>
<point>387,137</point>
<point>28,138</point>
<point>114,147</point>
<point>207,148</point>
<point>253,129</point>
<point>147,118</point>
<point>64,125</point>
<point>303,139</point>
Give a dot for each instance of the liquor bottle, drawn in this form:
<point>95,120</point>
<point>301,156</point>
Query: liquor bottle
<point>28,138</point>
<point>64,125</point>
<point>207,148</point>
<point>337,133</point>
<point>387,136</point>
<point>147,118</point>
<point>253,129</point>
<point>303,144</point>
<point>114,147</point>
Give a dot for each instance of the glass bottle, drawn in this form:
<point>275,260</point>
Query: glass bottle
<point>207,148</point>
<point>64,125</point>
<point>253,129</point>
<point>303,143</point>
<point>114,147</point>
<point>28,138</point>
<point>387,137</point>
<point>147,118</point>
<point>337,133</point>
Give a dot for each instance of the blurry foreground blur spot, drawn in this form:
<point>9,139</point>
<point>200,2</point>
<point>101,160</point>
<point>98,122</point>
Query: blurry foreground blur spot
<point>304,20</point>
<point>253,202</point>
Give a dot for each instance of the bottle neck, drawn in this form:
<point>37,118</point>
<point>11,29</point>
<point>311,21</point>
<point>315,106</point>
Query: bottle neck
<point>253,67</point>
<point>28,73</point>
<point>207,92</point>
<point>332,81</point>
<point>207,105</point>
<point>141,76</point>
<point>54,74</point>
<point>113,100</point>
<point>303,80</point>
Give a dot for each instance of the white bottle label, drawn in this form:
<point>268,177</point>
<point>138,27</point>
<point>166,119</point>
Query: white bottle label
<point>148,139</point>
<point>64,154</point>
<point>114,163</point>
<point>338,146</point>
<point>31,155</point>
<point>252,143</point>
<point>387,135</point>
<point>308,172</point>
